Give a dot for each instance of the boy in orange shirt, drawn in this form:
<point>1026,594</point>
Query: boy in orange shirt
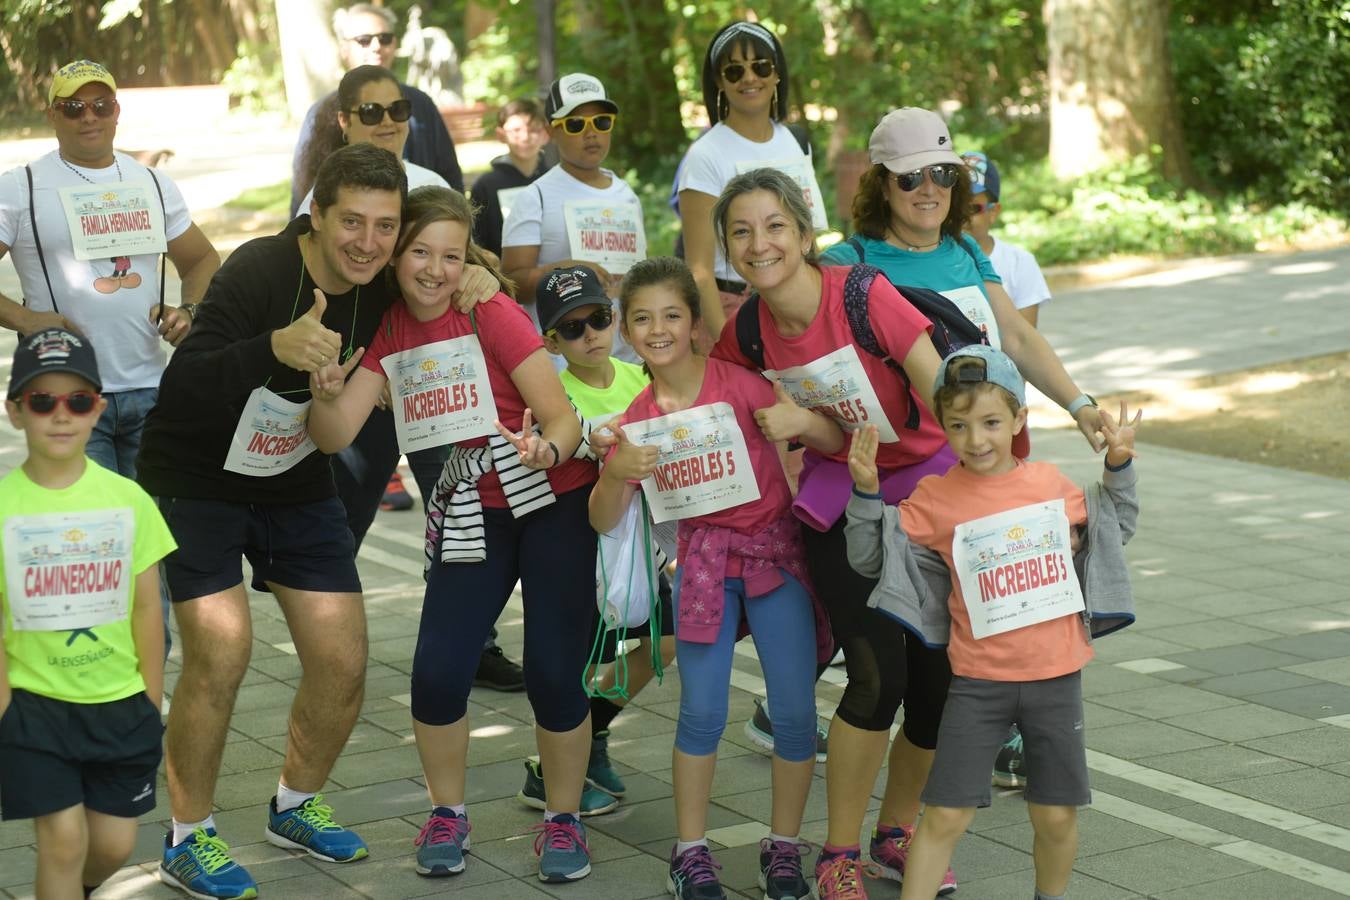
<point>981,558</point>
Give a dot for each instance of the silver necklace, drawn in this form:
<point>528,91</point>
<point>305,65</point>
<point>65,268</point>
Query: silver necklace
<point>86,177</point>
<point>913,247</point>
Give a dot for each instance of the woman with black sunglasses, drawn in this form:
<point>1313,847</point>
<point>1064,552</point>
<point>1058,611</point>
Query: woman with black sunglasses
<point>908,216</point>
<point>368,108</point>
<point>745,88</point>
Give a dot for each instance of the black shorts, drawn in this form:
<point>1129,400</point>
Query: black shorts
<point>610,640</point>
<point>55,755</point>
<point>305,546</point>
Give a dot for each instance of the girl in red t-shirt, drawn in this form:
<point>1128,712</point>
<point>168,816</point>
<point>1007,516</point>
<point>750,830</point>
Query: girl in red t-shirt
<point>694,437</point>
<point>484,531</point>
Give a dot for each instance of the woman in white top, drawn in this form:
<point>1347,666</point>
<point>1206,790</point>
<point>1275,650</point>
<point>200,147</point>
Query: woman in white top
<point>745,87</point>
<point>368,108</point>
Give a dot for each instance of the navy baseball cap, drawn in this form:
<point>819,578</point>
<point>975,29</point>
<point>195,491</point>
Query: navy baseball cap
<point>983,174</point>
<point>52,350</point>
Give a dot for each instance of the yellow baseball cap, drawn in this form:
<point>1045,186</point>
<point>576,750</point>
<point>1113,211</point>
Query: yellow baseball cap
<point>75,75</point>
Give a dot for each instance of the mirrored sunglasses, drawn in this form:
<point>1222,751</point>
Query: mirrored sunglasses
<point>79,403</point>
<point>373,113</point>
<point>977,208</point>
<point>601,122</point>
<point>73,109</point>
<point>385,38</point>
<point>734,72</point>
<point>599,320</point>
<point>943,176</point>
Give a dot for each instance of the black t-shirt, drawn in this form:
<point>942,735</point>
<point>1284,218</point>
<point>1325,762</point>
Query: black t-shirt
<point>262,287</point>
<point>488,219</point>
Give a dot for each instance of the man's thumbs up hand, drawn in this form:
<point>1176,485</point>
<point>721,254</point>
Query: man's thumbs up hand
<point>305,344</point>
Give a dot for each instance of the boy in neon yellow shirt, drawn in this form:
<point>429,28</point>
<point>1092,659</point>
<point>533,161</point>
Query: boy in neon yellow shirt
<point>82,671</point>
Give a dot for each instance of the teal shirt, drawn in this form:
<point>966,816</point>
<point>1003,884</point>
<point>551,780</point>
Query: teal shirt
<point>943,269</point>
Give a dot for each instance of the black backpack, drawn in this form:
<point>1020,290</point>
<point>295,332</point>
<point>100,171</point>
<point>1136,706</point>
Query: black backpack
<point>951,329</point>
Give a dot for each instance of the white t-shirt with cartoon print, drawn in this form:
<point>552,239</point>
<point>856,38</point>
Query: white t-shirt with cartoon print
<point>108,299</point>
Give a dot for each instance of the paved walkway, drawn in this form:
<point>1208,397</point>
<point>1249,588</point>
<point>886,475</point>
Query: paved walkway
<point>1217,724</point>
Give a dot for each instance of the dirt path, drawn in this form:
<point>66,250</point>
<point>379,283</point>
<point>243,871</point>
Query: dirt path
<point>1295,415</point>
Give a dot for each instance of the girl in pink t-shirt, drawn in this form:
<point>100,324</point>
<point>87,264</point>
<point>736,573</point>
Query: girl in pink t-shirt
<point>693,437</point>
<point>506,508</point>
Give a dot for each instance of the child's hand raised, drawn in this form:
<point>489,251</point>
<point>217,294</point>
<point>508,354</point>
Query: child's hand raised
<point>862,460</point>
<point>535,452</point>
<point>1120,434</point>
<point>327,381</point>
<point>629,461</point>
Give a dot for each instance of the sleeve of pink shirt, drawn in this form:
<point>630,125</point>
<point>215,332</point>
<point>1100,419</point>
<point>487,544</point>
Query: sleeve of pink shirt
<point>506,332</point>
<point>916,516</point>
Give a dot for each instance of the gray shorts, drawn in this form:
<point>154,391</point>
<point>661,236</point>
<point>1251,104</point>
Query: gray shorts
<point>975,725</point>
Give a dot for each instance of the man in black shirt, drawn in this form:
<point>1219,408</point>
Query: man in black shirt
<point>226,453</point>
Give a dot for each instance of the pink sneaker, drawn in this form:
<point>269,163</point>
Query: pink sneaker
<point>889,854</point>
<point>840,878</point>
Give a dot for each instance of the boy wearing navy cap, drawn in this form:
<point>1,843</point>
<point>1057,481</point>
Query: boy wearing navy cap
<point>82,669</point>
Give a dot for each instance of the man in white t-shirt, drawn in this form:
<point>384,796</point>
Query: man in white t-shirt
<point>1021,275</point>
<point>93,264</point>
<point>538,236</point>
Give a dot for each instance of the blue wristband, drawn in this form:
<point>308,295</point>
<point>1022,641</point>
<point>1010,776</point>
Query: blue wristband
<point>865,495</point>
<point>1120,468</point>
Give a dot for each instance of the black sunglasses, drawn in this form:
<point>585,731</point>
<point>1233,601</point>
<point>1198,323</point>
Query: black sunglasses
<point>734,72</point>
<point>373,113</point>
<point>599,320</point>
<point>103,107</point>
<point>601,122</point>
<point>80,403</point>
<point>943,176</point>
<point>384,37</point>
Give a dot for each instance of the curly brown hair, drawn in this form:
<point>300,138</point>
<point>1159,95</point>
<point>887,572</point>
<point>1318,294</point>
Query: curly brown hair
<point>872,212</point>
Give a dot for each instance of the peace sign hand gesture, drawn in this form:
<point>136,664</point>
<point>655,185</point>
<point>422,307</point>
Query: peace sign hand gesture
<point>327,382</point>
<point>535,452</point>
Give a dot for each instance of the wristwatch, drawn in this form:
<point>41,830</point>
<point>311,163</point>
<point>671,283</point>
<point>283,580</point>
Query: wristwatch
<point>191,310</point>
<point>1079,402</point>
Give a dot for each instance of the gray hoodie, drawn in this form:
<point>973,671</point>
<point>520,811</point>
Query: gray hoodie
<point>914,583</point>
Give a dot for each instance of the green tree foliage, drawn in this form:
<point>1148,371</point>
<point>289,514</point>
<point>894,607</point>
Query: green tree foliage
<point>1264,96</point>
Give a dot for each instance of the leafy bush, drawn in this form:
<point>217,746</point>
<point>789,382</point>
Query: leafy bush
<point>1263,94</point>
<point>1132,210</point>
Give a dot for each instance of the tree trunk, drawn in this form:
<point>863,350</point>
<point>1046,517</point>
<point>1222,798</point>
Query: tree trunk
<point>309,57</point>
<point>1110,85</point>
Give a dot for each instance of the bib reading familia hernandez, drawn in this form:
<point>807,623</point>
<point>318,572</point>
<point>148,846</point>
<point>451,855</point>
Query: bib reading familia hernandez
<point>441,393</point>
<point>1016,568</point>
<point>107,220</point>
<point>703,466</point>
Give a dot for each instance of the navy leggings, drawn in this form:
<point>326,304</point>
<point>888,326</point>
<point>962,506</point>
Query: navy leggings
<point>783,626</point>
<point>552,553</point>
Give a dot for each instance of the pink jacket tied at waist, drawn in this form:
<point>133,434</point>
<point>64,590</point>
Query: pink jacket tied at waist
<point>703,575</point>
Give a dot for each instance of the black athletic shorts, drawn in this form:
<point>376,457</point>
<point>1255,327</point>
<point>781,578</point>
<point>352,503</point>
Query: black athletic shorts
<point>55,755</point>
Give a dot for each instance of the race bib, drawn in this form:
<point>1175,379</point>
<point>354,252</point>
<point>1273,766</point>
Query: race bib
<point>1016,568</point>
<point>69,571</point>
<point>799,170</point>
<point>607,234</point>
<point>441,393</point>
<point>703,465</point>
<point>271,437</point>
<point>837,386</point>
<point>974,305</point>
<point>110,220</point>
